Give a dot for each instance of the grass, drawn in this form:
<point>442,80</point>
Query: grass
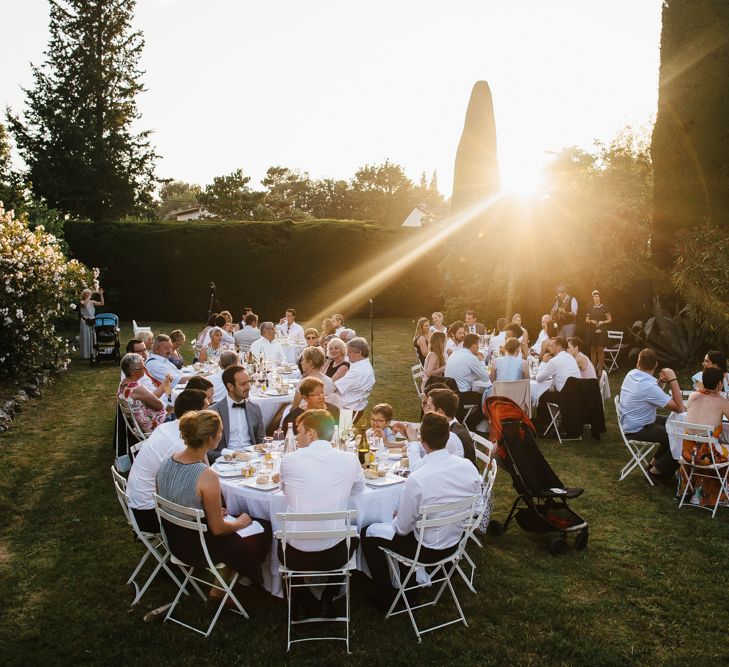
<point>648,590</point>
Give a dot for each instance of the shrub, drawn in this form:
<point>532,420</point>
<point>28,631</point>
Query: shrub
<point>39,287</point>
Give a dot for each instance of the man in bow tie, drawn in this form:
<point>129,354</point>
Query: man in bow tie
<point>242,420</point>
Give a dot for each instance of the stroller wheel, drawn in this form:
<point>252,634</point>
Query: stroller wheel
<point>91,361</point>
<point>581,540</point>
<point>557,546</point>
<point>495,528</point>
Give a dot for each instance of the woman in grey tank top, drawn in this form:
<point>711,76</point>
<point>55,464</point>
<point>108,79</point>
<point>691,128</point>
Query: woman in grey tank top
<point>186,479</point>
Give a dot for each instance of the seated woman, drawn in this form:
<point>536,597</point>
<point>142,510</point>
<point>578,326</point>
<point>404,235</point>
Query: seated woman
<point>524,338</point>
<point>328,331</point>
<point>713,359</point>
<point>380,420</point>
<point>706,406</point>
<point>148,409</point>
<point>336,366</point>
<point>177,339</point>
<point>511,366</point>
<point>437,319</point>
<point>420,340</point>
<point>186,479</point>
<point>587,370</point>
<point>313,397</point>
<point>229,326</point>
<point>212,351</point>
<point>312,361</point>
<point>204,333</point>
<point>435,361</point>
<point>311,336</point>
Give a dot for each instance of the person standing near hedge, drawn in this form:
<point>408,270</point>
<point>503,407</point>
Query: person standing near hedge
<point>598,315</point>
<point>87,312</point>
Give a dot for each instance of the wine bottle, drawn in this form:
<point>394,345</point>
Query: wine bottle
<point>363,447</point>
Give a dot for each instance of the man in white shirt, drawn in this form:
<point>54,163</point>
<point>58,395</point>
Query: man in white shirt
<point>250,333</point>
<point>268,347</point>
<point>356,384</point>
<point>640,396</point>
<point>456,333</point>
<point>318,478</point>
<point>227,358</point>
<point>549,329</point>
<point>499,339</point>
<point>162,443</point>
<point>159,366</point>
<point>444,402</point>
<point>290,328</point>
<point>441,479</point>
<point>557,366</point>
<point>466,367</point>
<point>242,420</point>
<point>338,323</point>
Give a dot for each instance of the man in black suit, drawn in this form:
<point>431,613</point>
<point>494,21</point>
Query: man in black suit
<point>473,327</point>
<point>242,420</point>
<point>445,402</point>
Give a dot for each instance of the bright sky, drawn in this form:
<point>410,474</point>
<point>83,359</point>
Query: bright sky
<point>327,86</point>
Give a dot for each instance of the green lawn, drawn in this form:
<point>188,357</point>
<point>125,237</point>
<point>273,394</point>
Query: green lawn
<point>641,593</point>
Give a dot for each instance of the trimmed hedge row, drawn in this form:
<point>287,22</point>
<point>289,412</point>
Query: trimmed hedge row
<point>162,270</point>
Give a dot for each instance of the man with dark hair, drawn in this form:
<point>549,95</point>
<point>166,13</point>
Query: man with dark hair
<point>499,339</point>
<point>640,396</point>
<point>318,478</point>
<point>456,332</point>
<point>557,365</point>
<point>267,346</point>
<point>441,478</point>
<point>445,402</point>
<point>243,424</point>
<point>203,384</point>
<point>472,326</point>
<point>248,334</point>
<point>466,366</point>
<point>564,312</point>
<point>289,327</point>
<point>163,443</point>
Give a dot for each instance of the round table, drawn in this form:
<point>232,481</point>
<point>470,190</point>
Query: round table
<point>292,350</point>
<point>374,505</point>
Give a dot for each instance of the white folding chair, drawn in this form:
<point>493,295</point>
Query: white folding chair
<point>488,479</point>
<point>290,575</point>
<point>604,384</point>
<point>555,420</point>
<point>137,329</point>
<point>462,513</point>
<point>613,350</point>
<point>700,433</point>
<point>486,452</point>
<point>192,519</point>
<point>417,372</point>
<point>130,420</point>
<point>152,541</point>
<point>640,450</point>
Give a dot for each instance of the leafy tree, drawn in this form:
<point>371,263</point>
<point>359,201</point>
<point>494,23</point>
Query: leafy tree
<point>177,196</point>
<point>288,193</point>
<point>331,198</point>
<point>383,193</point>
<point>76,136</point>
<point>229,197</point>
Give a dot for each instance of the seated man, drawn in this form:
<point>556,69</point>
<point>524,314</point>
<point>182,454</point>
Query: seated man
<point>466,367</point>
<point>515,331</point>
<point>557,365</point>
<point>640,396</point>
<point>312,393</point>
<point>499,339</point>
<point>250,333</point>
<point>472,326</point>
<point>163,443</point>
<point>227,358</point>
<point>441,478</point>
<point>203,384</point>
<point>242,420</point>
<point>289,327</point>
<point>158,366</point>
<point>549,330</point>
<point>318,478</point>
<point>456,333</point>
<point>444,402</point>
<point>268,347</point>
<point>355,386</point>
<point>340,330</point>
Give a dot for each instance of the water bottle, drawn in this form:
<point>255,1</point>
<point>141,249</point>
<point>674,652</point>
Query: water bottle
<point>290,443</point>
<point>335,438</point>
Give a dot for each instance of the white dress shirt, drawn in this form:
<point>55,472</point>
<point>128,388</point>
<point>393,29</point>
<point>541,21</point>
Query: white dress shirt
<point>219,390</point>
<point>319,478</point>
<point>540,339</point>
<point>496,342</point>
<point>271,350</point>
<point>452,346</point>
<point>558,369</point>
<point>159,367</point>
<point>455,444</point>
<point>238,437</point>
<point>246,336</point>
<point>356,384</point>
<point>162,443</point>
<point>465,368</point>
<point>441,478</point>
<point>294,332</point>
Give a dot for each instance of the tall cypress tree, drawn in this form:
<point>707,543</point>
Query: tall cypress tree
<point>76,136</point>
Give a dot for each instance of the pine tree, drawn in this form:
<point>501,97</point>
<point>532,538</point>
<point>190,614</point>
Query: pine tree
<point>423,181</point>
<point>434,182</point>
<point>76,135</point>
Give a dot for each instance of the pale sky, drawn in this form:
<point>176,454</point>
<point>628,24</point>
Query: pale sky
<point>326,86</point>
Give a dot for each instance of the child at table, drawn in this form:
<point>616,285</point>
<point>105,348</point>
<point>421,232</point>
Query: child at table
<point>380,420</point>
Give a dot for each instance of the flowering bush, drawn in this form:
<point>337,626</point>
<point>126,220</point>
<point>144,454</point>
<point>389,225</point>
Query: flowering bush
<point>38,287</point>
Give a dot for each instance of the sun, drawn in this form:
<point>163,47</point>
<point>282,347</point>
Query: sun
<point>523,180</point>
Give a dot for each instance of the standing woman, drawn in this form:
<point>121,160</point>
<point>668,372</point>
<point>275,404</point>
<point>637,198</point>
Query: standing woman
<point>420,341</point>
<point>434,365</point>
<point>87,312</point>
<point>598,315</point>
<point>437,319</point>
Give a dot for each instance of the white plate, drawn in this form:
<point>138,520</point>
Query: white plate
<point>273,392</point>
<point>395,456</point>
<point>387,480</point>
<point>251,483</point>
<point>229,465</point>
<point>232,472</point>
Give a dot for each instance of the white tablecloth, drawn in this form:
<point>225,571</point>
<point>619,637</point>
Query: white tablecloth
<point>292,351</point>
<point>269,404</point>
<point>375,505</point>
<point>677,445</point>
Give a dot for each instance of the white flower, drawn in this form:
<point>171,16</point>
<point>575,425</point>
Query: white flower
<point>73,306</point>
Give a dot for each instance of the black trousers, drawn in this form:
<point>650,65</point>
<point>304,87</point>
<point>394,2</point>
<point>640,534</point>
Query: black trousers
<point>405,545</point>
<point>146,520</point>
<point>328,559</point>
<point>656,432</point>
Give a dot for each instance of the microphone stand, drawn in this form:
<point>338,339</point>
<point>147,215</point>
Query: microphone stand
<point>212,298</point>
<point>372,333</point>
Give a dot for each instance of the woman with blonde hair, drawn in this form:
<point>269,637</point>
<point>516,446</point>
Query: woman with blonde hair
<point>177,338</point>
<point>437,319</point>
<point>87,313</point>
<point>336,366</point>
<point>435,361</point>
<point>328,331</point>
<point>420,341</point>
<point>186,479</point>
<point>524,338</point>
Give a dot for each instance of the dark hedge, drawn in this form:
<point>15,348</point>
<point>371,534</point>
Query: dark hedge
<point>162,270</point>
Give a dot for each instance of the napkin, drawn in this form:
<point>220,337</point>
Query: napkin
<point>383,530</point>
<point>254,529</point>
